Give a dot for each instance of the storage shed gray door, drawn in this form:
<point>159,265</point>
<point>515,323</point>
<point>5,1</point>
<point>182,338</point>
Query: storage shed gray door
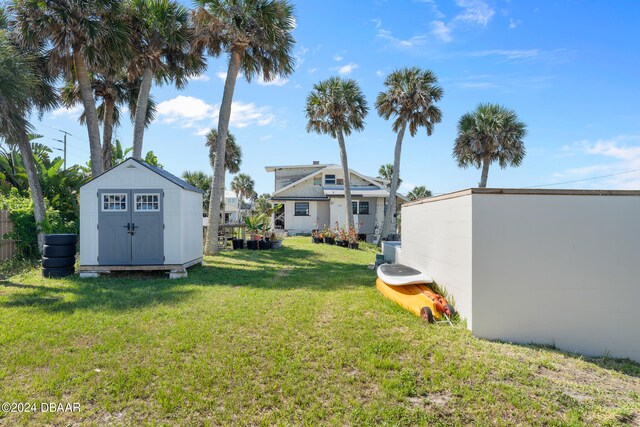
<point>130,225</point>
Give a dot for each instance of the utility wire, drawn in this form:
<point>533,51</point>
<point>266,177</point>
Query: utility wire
<point>585,179</point>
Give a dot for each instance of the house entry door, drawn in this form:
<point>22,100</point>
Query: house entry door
<point>130,227</point>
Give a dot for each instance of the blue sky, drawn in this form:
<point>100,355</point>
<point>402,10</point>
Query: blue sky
<point>569,69</point>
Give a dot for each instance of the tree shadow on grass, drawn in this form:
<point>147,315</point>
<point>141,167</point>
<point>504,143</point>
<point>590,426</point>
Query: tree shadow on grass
<point>287,268</point>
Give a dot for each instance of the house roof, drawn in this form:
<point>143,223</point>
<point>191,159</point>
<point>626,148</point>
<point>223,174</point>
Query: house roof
<point>361,191</point>
<point>163,173</point>
<point>275,168</point>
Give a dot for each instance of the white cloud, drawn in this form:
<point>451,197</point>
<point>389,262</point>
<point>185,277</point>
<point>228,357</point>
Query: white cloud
<point>184,110</point>
<point>200,78</point>
<point>513,23</point>
<point>410,43</point>
<point>346,69</point>
<point>312,70</point>
<point>222,75</point>
<point>509,54</point>
<point>379,73</point>
<point>618,163</point>
<point>475,12</point>
<point>191,112</point>
<point>73,112</point>
<point>442,31</point>
<point>377,22</point>
<point>337,57</point>
<point>202,131</point>
<point>276,81</point>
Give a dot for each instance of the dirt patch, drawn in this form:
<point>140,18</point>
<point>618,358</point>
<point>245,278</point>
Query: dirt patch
<point>284,272</point>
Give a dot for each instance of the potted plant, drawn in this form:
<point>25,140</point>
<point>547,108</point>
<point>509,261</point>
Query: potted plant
<point>329,236</point>
<point>342,237</point>
<point>275,242</point>
<point>264,242</point>
<point>255,225</point>
<point>353,237</point>
<point>315,236</point>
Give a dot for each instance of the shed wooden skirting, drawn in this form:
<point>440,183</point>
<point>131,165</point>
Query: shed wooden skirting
<point>7,247</point>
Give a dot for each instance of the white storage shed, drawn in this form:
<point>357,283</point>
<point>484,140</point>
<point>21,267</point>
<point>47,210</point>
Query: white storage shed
<point>136,216</point>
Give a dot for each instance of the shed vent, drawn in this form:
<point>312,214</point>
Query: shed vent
<point>131,167</point>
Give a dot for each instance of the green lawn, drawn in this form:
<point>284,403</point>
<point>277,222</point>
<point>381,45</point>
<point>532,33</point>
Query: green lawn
<point>298,336</point>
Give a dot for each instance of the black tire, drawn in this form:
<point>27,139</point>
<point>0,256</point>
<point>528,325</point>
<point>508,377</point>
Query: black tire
<point>426,314</point>
<point>452,310</point>
<point>60,239</point>
<point>58,262</point>
<point>59,251</point>
<point>57,272</point>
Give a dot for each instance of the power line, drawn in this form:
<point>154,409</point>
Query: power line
<point>585,179</point>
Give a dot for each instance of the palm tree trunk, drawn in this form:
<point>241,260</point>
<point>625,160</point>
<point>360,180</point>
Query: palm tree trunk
<point>395,177</point>
<point>217,185</point>
<point>485,172</point>
<point>347,182</point>
<point>34,183</point>
<point>141,112</point>
<point>107,153</point>
<point>91,115</point>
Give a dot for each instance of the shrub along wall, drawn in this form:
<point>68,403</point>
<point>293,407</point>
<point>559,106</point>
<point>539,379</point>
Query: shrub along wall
<point>25,230</point>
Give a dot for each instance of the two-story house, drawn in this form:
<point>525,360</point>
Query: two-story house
<point>313,196</point>
<point>231,207</point>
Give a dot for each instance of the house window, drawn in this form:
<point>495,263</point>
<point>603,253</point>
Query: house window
<point>114,202</point>
<point>148,202</point>
<point>340,181</point>
<point>329,179</point>
<point>301,209</point>
<point>360,208</point>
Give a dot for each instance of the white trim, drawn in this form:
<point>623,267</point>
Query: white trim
<point>135,202</point>
<point>126,202</point>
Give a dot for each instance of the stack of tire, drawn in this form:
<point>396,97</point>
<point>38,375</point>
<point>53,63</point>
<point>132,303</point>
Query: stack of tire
<point>59,255</point>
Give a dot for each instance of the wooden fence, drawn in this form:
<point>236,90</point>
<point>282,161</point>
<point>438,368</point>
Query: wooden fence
<point>7,247</point>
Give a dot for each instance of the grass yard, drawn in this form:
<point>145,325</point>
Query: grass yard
<point>298,336</point>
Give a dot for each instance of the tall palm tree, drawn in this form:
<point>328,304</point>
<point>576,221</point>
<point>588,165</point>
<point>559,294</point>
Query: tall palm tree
<point>162,51</point>
<point>386,172</point>
<point>114,90</point>
<point>232,154</point>
<point>490,133</point>
<point>257,36</point>
<point>410,97</point>
<point>232,162</point>
<point>419,192</point>
<point>243,185</point>
<point>25,86</point>
<point>336,107</point>
<point>79,36</point>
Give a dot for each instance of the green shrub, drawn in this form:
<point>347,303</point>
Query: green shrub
<point>25,230</point>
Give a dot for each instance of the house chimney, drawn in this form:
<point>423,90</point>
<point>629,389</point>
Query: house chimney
<point>316,162</point>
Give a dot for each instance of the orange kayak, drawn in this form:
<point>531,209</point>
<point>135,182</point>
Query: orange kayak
<point>418,299</point>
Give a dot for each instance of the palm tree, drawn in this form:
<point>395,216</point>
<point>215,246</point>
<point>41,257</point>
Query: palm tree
<point>257,36</point>
<point>243,185</point>
<point>233,152</point>
<point>336,107</point>
<point>410,98</point>
<point>26,86</point>
<point>161,44</point>
<point>419,192</point>
<point>386,172</point>
<point>488,134</point>
<point>79,36</point>
<point>114,90</point>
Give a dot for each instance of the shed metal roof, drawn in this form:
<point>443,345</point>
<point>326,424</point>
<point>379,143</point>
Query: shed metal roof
<point>163,173</point>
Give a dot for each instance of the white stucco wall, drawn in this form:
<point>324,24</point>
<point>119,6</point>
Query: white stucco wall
<point>553,267</point>
<point>300,224</point>
<point>558,269</point>
<point>436,239</point>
